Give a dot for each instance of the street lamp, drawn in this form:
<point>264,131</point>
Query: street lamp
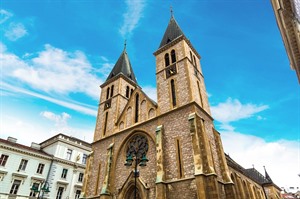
<point>138,161</point>
<point>44,189</point>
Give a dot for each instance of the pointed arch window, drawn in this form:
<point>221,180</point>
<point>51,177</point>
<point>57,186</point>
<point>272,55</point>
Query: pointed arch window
<point>173,91</point>
<point>112,91</point>
<point>127,91</point>
<point>105,123</point>
<point>131,91</point>
<point>199,90</point>
<point>191,56</point>
<point>136,108</point>
<point>107,93</point>
<point>195,63</point>
<point>173,56</point>
<point>179,159</point>
<point>167,59</point>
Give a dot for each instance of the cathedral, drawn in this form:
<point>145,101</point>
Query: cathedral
<point>167,149</point>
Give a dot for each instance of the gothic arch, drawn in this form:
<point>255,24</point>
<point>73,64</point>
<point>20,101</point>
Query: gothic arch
<point>120,156</point>
<point>127,191</point>
<point>129,136</point>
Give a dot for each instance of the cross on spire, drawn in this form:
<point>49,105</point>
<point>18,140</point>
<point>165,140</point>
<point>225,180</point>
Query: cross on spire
<point>171,10</point>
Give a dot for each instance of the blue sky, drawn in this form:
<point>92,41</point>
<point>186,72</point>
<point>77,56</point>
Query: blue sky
<point>55,54</point>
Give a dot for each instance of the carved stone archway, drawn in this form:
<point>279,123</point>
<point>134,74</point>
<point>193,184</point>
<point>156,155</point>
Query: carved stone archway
<point>130,193</point>
<point>127,191</point>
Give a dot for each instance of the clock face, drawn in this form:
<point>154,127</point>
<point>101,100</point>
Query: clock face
<point>137,146</point>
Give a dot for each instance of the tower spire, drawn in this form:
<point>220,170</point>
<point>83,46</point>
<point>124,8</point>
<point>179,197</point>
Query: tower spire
<point>171,10</point>
<point>267,176</point>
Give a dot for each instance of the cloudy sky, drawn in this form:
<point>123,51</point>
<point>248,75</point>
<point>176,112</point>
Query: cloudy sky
<point>55,54</point>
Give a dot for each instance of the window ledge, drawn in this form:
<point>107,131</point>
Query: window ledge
<point>21,175</point>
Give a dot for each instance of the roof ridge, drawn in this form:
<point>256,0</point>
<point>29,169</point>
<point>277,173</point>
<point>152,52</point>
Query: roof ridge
<point>172,32</point>
<point>122,66</point>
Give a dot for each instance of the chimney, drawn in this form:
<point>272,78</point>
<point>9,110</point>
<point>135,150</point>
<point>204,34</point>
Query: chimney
<point>35,146</point>
<point>11,139</point>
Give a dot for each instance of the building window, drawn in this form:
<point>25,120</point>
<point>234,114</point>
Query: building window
<point>69,154</point>
<point>199,90</point>
<point>64,173</point>
<point>173,91</point>
<point>131,91</point>
<point>167,61</point>
<point>23,165</point>
<point>191,56</point>
<point>77,194</point>
<point>137,108</point>
<point>127,91</point>
<point>107,93</point>
<point>40,168</point>
<point>112,91</point>
<point>105,123</point>
<point>179,159</point>
<point>195,63</point>
<point>36,186</point>
<point>59,193</point>
<point>80,177</point>
<point>15,187</point>
<point>84,158</point>
<point>173,56</point>
<point>3,160</point>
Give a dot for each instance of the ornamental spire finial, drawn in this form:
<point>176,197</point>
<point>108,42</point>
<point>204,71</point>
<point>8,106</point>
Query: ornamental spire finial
<point>171,10</point>
<point>125,44</point>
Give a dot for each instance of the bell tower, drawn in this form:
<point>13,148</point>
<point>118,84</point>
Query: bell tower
<point>115,93</point>
<point>182,101</point>
<point>178,72</point>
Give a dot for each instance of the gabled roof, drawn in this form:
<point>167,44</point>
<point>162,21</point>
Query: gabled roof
<point>256,176</point>
<point>122,66</point>
<point>252,173</point>
<point>172,32</point>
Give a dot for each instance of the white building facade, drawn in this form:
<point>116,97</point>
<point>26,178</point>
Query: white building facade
<point>53,169</point>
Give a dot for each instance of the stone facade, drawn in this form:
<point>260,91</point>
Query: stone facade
<point>287,14</point>
<point>185,153</point>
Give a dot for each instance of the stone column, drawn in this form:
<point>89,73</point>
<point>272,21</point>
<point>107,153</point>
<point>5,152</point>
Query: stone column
<point>87,174</point>
<point>105,193</point>
<point>206,178</point>
<point>229,185</point>
<point>160,175</point>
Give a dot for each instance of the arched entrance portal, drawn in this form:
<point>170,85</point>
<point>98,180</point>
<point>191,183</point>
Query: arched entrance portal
<point>130,193</point>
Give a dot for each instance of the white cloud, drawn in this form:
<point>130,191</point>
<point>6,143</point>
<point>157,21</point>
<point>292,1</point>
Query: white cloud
<point>54,70</point>
<point>61,126</point>
<point>132,16</point>
<point>281,158</point>
<point>234,110</point>
<point>151,92</point>
<point>4,15</point>
<point>15,31</point>
<point>19,128</point>
<point>60,120</point>
<point>83,108</point>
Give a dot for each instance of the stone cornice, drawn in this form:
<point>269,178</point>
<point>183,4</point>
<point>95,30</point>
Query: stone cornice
<point>57,139</point>
<point>74,164</point>
<point>24,151</point>
<point>175,41</point>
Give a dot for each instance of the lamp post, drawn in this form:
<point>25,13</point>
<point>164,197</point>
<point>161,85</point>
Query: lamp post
<point>137,162</point>
<point>44,189</point>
